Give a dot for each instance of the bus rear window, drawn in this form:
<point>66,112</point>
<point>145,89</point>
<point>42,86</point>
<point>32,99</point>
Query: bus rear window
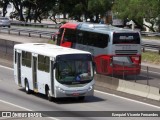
<point>125,38</point>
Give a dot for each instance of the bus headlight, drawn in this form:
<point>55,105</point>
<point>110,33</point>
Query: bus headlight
<point>90,88</point>
<point>60,89</point>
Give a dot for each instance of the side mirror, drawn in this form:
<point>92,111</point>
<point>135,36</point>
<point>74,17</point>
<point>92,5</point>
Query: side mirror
<point>54,37</point>
<point>54,65</point>
<point>94,64</point>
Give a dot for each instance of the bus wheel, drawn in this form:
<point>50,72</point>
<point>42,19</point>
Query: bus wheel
<point>81,98</point>
<point>27,87</point>
<point>49,95</point>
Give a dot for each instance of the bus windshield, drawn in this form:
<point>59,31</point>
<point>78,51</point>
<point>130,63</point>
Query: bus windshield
<point>74,71</point>
<point>122,60</point>
<point>125,38</point>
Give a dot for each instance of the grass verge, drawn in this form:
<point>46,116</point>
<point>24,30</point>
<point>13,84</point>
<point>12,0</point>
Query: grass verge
<point>151,57</point>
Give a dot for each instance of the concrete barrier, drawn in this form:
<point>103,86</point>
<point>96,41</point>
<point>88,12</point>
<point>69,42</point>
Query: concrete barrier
<point>127,87</point>
<point>106,81</point>
<point>103,81</point>
<point>133,88</point>
<point>154,93</point>
<point>141,90</point>
<point>115,83</point>
<point>121,86</point>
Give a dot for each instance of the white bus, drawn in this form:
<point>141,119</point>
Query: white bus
<point>54,70</point>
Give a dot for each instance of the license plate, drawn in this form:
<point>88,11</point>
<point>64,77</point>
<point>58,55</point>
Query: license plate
<point>75,94</point>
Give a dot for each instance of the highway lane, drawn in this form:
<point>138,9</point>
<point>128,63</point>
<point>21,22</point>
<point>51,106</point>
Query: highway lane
<point>10,92</point>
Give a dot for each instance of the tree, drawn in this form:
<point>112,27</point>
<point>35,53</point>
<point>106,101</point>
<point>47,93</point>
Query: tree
<point>75,8</point>
<point>4,4</point>
<point>87,8</point>
<point>54,11</point>
<point>28,5</point>
<point>99,7</point>
<point>35,9</point>
<point>18,5</point>
<point>137,10</point>
<point>41,8</point>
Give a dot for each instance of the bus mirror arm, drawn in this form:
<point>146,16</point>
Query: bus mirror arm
<point>55,36</point>
<point>111,61</point>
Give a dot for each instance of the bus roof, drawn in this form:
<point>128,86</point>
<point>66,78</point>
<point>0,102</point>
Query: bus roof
<point>100,28</point>
<point>70,25</point>
<point>48,49</point>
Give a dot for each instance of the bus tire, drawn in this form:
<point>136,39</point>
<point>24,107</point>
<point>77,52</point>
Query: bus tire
<point>28,91</point>
<point>48,93</point>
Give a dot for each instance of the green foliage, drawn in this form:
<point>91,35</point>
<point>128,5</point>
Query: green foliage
<point>36,9</point>
<point>99,6</point>
<point>51,42</point>
<point>137,10</point>
<point>134,10</point>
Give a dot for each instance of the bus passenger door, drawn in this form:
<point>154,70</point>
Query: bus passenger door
<point>19,68</point>
<point>34,74</point>
<point>102,64</point>
<point>52,78</point>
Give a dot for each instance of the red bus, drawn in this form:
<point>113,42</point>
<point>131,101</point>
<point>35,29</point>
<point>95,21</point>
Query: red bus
<point>116,51</point>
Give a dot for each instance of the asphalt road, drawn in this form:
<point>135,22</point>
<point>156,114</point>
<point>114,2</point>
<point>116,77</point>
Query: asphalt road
<point>14,98</point>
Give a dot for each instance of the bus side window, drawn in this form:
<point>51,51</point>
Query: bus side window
<point>26,59</point>
<point>80,37</point>
<point>104,39</point>
<point>97,39</point>
<point>85,39</point>
<point>43,63</point>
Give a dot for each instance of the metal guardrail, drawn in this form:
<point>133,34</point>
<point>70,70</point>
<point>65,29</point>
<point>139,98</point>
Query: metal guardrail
<point>150,33</point>
<point>151,46</point>
<point>40,33</point>
<point>20,23</point>
<point>29,32</point>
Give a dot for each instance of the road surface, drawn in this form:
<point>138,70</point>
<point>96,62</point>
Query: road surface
<point>14,98</point>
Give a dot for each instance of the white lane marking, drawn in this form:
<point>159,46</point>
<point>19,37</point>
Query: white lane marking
<point>23,108</point>
<point>15,105</point>
<point>6,67</point>
<point>109,94</point>
<point>127,99</point>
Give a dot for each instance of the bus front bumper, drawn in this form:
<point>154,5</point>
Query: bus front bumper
<point>74,93</point>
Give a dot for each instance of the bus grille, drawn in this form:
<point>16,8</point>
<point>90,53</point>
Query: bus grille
<point>126,51</point>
